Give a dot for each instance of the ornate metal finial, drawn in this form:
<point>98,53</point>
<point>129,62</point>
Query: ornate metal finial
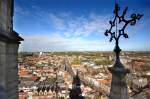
<point>120,32</point>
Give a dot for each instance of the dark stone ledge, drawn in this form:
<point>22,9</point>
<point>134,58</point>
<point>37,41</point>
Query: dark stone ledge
<point>12,37</point>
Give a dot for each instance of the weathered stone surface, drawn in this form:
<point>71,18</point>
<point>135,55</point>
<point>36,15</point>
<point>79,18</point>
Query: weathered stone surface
<point>6,14</point>
<point>9,43</point>
<point>8,69</point>
<point>119,88</point>
<point>2,93</point>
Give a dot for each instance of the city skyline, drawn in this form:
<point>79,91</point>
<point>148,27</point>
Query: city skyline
<point>74,25</point>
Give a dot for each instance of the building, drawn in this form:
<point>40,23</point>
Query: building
<point>9,43</point>
<point>75,92</point>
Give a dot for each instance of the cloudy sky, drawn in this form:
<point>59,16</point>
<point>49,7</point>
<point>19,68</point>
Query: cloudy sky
<point>77,25</point>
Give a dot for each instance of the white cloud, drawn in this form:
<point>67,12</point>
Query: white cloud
<point>70,34</point>
<point>75,26</point>
<point>20,10</point>
<point>57,21</point>
<point>56,42</point>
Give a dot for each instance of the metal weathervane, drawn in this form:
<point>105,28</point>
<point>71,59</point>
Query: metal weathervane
<point>120,32</point>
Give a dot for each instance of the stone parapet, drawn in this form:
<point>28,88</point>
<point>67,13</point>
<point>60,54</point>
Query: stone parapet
<point>12,37</point>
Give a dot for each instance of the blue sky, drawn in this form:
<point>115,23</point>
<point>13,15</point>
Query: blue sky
<point>77,25</point>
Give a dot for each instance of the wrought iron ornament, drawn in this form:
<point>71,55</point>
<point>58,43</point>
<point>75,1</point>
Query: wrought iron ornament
<point>118,33</point>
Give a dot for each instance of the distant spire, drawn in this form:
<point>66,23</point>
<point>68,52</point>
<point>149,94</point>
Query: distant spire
<point>75,92</point>
<point>77,72</point>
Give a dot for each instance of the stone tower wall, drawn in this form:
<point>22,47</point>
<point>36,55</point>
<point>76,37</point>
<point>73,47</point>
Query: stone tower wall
<point>9,43</point>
